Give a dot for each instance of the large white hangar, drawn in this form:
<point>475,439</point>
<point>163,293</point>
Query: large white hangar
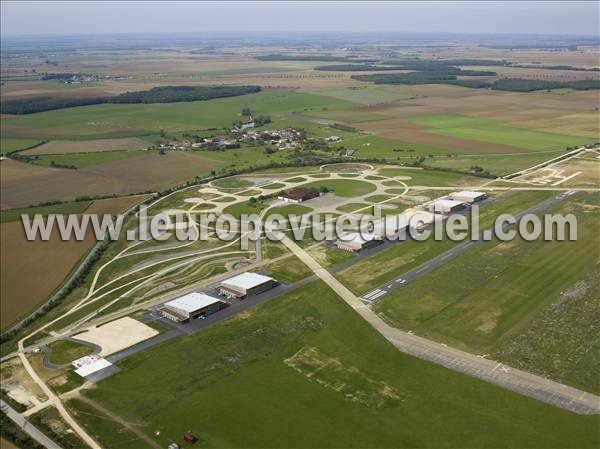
<point>467,196</point>
<point>191,306</point>
<point>444,206</point>
<point>246,284</point>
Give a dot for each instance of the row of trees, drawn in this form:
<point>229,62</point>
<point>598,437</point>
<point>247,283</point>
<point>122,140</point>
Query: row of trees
<point>164,94</point>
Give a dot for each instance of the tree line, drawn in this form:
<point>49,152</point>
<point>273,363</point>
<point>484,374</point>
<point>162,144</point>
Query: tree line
<point>164,94</point>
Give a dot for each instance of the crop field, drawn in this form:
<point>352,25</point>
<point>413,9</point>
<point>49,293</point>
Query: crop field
<point>80,160</point>
<point>84,146</point>
<point>366,94</point>
<point>24,184</point>
<point>465,127</point>
<point>303,348</point>
<point>26,277</point>
<point>479,299</point>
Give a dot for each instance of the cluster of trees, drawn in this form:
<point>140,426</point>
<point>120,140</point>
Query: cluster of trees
<point>60,76</point>
<point>509,84</point>
<point>11,432</point>
<point>165,94</point>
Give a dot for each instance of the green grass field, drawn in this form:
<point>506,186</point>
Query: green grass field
<point>295,209</point>
<point>8,144</point>
<point>305,348</point>
<point>86,159</point>
<point>65,351</point>
<point>487,130</point>
<point>345,188</point>
<point>479,299</point>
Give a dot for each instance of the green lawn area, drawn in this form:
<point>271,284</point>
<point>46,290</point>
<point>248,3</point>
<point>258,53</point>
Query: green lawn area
<point>345,188</point>
<point>132,119</point>
<point>75,207</point>
<point>233,182</point>
<point>291,209</point>
<point>434,178</point>
<point>86,159</point>
<point>496,164</point>
<point>288,270</point>
<point>253,381</point>
<point>487,130</point>
<point>237,209</point>
<point>65,351</point>
<point>378,198</point>
<point>296,179</point>
<point>274,186</point>
<point>351,207</point>
<point>478,299</point>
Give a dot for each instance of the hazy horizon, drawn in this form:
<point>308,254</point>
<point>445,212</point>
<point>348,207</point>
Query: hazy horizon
<point>25,18</point>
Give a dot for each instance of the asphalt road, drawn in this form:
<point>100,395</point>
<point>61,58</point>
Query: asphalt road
<point>27,427</point>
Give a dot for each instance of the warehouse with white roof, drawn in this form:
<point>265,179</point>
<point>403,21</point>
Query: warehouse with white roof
<point>191,306</point>
<point>356,241</point>
<point>246,284</point>
<point>444,206</point>
<point>467,196</point>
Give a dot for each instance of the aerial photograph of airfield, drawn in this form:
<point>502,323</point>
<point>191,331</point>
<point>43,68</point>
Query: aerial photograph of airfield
<point>368,340</point>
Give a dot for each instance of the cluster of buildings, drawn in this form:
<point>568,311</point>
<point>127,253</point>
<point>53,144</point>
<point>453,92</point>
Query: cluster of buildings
<point>200,305</point>
<point>215,142</point>
<point>281,138</point>
<point>392,225</point>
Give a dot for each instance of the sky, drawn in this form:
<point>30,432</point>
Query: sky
<point>104,17</point>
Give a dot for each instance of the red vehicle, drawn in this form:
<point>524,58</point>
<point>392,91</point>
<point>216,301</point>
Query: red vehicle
<point>189,437</point>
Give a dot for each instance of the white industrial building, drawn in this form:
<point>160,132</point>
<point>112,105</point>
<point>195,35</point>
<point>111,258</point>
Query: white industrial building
<point>444,206</point>
<point>246,284</point>
<point>467,196</point>
<point>90,364</point>
<point>356,241</point>
<point>190,306</point>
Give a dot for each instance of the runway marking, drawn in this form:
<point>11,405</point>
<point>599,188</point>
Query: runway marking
<point>372,293</point>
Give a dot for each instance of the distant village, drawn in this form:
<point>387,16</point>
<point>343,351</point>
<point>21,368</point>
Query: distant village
<point>245,132</point>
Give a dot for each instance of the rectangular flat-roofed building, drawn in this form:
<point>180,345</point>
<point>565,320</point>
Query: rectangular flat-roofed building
<point>354,241</point>
<point>467,196</point>
<point>190,306</point>
<point>444,206</point>
<point>246,284</point>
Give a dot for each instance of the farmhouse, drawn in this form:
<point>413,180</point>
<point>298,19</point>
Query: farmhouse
<point>190,306</point>
<point>356,241</point>
<point>444,206</point>
<point>298,195</point>
<point>468,197</point>
<point>246,284</point>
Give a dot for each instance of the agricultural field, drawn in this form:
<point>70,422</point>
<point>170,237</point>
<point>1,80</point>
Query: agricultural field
<point>85,146</point>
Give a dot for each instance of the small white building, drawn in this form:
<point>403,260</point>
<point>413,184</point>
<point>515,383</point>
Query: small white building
<point>467,196</point>
<point>356,241</point>
<point>444,206</point>
<point>246,284</point>
<point>191,306</point>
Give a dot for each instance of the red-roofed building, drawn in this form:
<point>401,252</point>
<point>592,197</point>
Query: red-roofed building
<point>298,195</point>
